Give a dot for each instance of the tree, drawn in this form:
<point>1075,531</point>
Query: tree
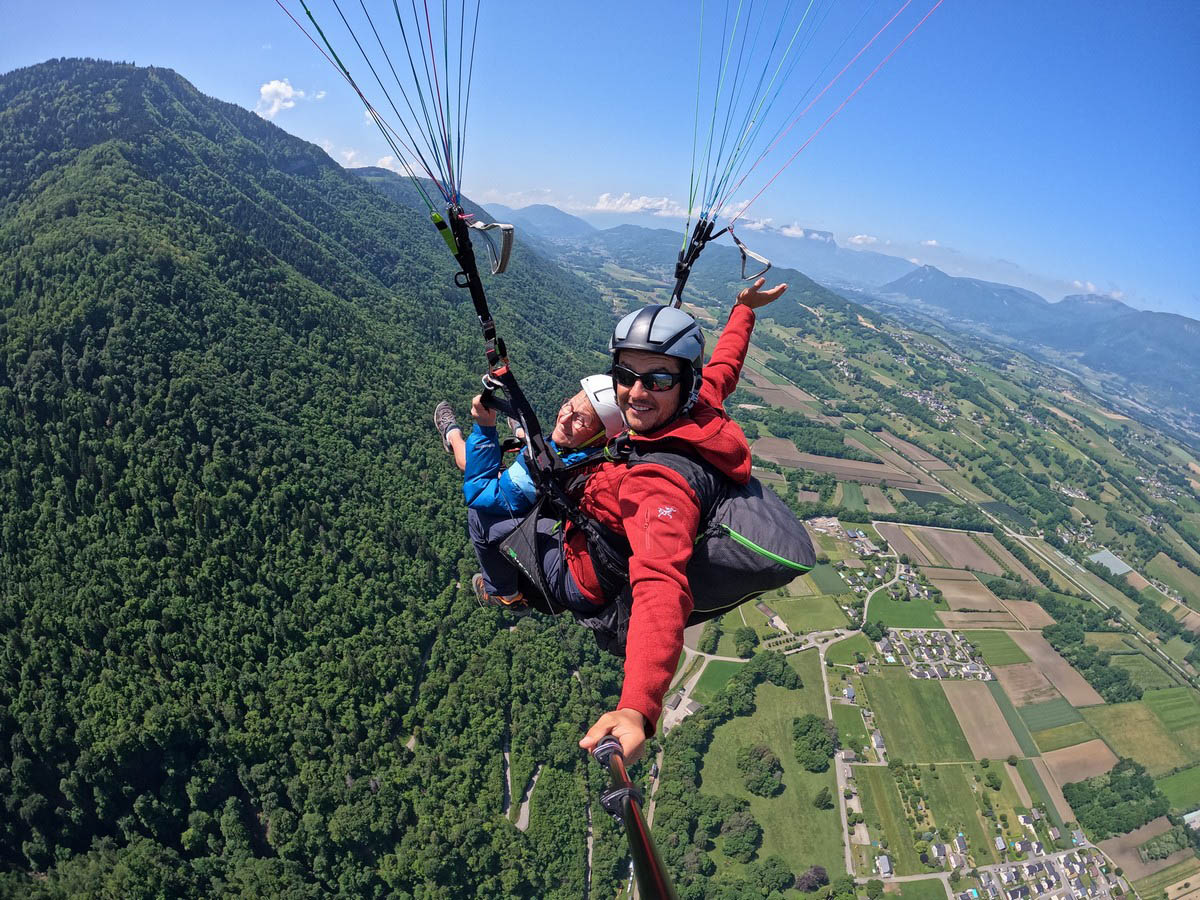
<point>1012,760</point>
<point>823,799</point>
<point>745,639</point>
<point>874,889</point>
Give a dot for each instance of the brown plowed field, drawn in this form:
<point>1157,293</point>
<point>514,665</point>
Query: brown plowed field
<point>913,452</point>
<point>902,543</point>
<point>1029,614</point>
<point>1136,581</point>
<point>1123,850</point>
<point>959,550</point>
<point>877,502</point>
<point>1025,684</point>
<point>1081,761</point>
<point>775,395</point>
<point>1009,561</point>
<point>967,595</point>
<point>968,620</point>
<point>942,574</point>
<point>894,459</point>
<point>1069,682</point>
<point>784,452</point>
<point>1053,789</point>
<point>981,720</point>
<point>807,496</point>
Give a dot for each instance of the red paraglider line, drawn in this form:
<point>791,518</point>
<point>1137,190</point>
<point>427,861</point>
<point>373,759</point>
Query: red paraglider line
<point>842,106</point>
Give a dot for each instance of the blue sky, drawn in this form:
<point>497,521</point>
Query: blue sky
<point>1048,144</point>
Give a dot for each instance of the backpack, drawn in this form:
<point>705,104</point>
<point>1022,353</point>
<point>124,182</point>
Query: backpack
<point>749,542</point>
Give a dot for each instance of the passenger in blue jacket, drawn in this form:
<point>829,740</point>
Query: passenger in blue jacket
<point>497,497</point>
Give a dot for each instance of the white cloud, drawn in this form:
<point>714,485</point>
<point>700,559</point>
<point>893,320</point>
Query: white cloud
<point>1085,286</point>
<point>520,199</point>
<point>755,224</point>
<point>275,96</point>
<point>390,162</point>
<point>319,95</point>
<point>1117,295</point>
<point>266,46</point>
<point>794,231</point>
<point>929,243</point>
<point>914,260</point>
<point>627,203</point>
<point>816,236</point>
<point>863,240</point>
<point>349,156</point>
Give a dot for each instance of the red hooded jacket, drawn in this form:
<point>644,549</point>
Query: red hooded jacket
<point>659,514</point>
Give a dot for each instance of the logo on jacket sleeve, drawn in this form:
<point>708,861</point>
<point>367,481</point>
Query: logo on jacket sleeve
<point>666,512</point>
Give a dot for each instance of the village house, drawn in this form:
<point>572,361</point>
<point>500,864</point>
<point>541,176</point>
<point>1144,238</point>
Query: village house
<point>883,865</point>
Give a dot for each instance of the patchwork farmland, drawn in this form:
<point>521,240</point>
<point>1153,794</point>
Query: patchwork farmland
<point>1060,672</point>
<point>981,720</point>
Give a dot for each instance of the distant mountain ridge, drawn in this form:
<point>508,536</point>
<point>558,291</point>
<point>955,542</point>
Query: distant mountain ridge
<point>1158,351</point>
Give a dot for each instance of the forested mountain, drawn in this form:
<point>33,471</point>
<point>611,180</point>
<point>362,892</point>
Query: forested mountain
<point>235,658</point>
<point>1157,352</point>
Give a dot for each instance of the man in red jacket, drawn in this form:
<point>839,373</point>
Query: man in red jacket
<point>667,398</point>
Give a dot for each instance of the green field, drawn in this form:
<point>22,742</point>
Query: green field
<point>1177,648</point>
<point>922,889</point>
<point>1112,641</point>
<point>952,800</point>
<point>827,580</point>
<point>1133,730</point>
<point>842,653</point>
<point>804,614</point>
<point>998,648</point>
<point>851,728</point>
<point>715,676</point>
<point>1064,736</point>
<point>899,702</point>
<point>1015,723</point>
<point>1037,788</point>
<point>1051,714</point>
<point>1182,789</point>
<point>884,813</point>
<point>792,828</point>
<point>1179,710</point>
<point>902,613</point>
<point>852,496</point>
<point>1143,670</point>
<point>1152,887</point>
<point>1166,569</point>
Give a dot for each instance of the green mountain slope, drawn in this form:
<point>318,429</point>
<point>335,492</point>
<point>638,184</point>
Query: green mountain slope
<point>229,539</point>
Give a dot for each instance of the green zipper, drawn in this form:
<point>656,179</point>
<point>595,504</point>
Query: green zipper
<point>746,542</point>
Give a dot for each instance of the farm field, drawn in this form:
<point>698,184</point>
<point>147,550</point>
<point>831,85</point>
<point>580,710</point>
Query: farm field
<point>842,653</point>
<point>1010,562</point>
<point>875,499</point>
<point>1050,714</point>
<point>1182,789</point>
<point>783,452</point>
<point>1177,648</point>
<point>913,452</point>
<point>952,798</point>
<point>852,496</point>
<point>898,701</point>
<point>1015,724</point>
<point>1179,710</point>
<point>1123,851</point>
<point>827,580</point>
<point>917,613</point>
<point>714,677</point>
<point>1042,780</point>
<point>967,620</point>
<point>1133,730</point>
<point>804,614</point>
<point>1166,569</point>
<point>921,889</point>
<point>851,729</point>
<point>1064,736</point>
<point>965,594</point>
<point>882,808</point>
<point>1079,762</point>
<point>1112,641</point>
<point>791,827</point>
<point>1152,887</point>
<point>1072,685</point>
<point>923,498</point>
<point>957,548</point>
<point>1029,614</point>
<point>1026,684</point>
<point>997,647</point>
<point>981,720</point>
<point>1143,671</point>
<point>901,541</point>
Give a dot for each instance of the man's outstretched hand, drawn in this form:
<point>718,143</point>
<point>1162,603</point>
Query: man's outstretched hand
<point>754,298</point>
<point>627,725</point>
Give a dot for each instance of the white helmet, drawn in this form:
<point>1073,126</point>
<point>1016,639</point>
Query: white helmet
<point>603,397</point>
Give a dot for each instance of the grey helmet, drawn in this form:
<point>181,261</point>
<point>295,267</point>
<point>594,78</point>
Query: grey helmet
<point>671,332</point>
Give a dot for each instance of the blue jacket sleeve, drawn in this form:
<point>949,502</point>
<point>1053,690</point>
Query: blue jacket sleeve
<point>488,489</point>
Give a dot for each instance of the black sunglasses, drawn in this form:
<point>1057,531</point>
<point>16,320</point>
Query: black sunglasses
<point>651,381</point>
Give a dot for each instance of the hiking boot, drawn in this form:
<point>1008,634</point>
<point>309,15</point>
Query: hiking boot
<point>514,603</point>
<point>445,422</point>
